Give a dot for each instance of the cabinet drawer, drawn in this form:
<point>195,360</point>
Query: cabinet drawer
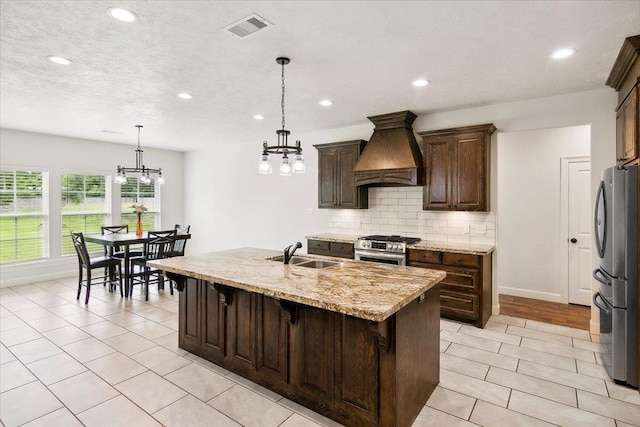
<point>454,304</point>
<point>344,250</point>
<point>462,260</point>
<point>425,256</point>
<point>461,280</point>
<point>318,244</point>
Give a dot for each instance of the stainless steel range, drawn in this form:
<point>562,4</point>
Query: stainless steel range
<point>385,249</point>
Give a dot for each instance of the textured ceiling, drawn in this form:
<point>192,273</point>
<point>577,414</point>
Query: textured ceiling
<point>362,55</point>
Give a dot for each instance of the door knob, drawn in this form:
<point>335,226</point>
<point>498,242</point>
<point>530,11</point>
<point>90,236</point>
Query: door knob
<point>574,240</point>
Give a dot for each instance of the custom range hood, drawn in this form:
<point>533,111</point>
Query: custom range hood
<point>392,156</point>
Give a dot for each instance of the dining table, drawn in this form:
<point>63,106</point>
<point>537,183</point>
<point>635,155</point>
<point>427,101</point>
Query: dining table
<point>125,241</point>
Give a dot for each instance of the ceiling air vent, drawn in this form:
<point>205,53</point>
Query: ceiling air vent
<point>248,25</point>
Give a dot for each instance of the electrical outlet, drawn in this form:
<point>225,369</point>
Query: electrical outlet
<point>435,228</point>
<point>467,229</point>
<point>358,224</point>
<point>481,229</point>
<point>309,211</point>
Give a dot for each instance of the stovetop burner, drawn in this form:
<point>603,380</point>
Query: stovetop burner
<point>394,238</point>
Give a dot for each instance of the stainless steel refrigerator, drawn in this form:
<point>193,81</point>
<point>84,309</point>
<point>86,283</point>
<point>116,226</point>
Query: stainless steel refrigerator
<point>616,234</point>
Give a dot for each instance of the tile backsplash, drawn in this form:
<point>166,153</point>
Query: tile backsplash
<point>398,210</point>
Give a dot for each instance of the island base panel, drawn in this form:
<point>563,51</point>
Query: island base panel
<point>355,371</point>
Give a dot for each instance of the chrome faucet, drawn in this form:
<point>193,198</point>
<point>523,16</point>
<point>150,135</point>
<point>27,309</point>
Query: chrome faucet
<point>288,253</point>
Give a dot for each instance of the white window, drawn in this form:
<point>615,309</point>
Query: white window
<point>86,206</point>
<point>132,192</point>
<point>24,215</point>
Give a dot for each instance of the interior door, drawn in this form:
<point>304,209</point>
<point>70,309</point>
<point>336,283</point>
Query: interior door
<point>579,233</point>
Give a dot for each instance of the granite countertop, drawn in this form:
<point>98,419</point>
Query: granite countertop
<point>334,237</point>
<point>366,290</point>
<point>460,248</point>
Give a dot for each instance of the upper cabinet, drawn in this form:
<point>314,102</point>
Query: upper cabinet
<point>624,78</point>
<point>336,188</point>
<point>456,167</point>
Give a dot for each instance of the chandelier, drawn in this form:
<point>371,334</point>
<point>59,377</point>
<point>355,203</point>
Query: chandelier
<point>283,147</point>
<point>145,172</point>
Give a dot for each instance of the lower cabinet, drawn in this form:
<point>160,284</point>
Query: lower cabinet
<point>327,248</point>
<point>465,294</point>
<point>355,371</point>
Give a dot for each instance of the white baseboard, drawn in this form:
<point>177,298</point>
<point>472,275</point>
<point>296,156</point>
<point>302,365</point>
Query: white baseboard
<point>528,293</point>
<point>38,271</point>
<point>495,309</point>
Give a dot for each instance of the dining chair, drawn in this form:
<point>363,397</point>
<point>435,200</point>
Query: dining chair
<point>86,263</point>
<point>180,244</point>
<point>159,246</point>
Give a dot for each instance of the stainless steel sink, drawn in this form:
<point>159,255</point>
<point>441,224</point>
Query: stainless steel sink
<point>318,264</point>
<point>305,262</point>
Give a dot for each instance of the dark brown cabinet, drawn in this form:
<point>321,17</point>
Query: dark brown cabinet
<point>355,371</point>
<point>336,188</point>
<point>625,79</point>
<point>456,165</point>
<point>627,129</point>
<point>336,249</point>
<point>465,294</point>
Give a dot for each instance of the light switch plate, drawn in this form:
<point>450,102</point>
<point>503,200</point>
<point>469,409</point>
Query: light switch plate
<point>467,229</point>
<point>309,211</point>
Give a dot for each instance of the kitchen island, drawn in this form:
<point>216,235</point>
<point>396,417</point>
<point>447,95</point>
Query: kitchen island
<point>356,342</point>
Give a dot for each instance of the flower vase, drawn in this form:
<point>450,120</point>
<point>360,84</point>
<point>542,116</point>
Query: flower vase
<point>139,226</point>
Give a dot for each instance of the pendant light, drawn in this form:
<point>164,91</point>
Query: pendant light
<point>145,172</point>
<point>287,165</point>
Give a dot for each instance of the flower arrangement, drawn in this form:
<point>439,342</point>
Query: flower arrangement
<point>139,209</point>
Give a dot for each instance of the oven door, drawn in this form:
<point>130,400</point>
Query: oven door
<point>382,257</point>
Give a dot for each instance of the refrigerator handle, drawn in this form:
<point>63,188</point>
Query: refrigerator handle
<point>602,306</point>
<point>600,276</point>
<point>600,240</point>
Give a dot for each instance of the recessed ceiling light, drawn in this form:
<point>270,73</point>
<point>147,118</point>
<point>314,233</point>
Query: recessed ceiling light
<point>121,14</point>
<point>420,82</point>
<point>562,53</point>
<point>59,60</point>
<point>185,95</point>
<point>258,117</point>
<point>326,103</point>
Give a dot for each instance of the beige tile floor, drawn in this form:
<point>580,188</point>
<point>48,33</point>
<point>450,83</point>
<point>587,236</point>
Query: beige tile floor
<point>116,362</point>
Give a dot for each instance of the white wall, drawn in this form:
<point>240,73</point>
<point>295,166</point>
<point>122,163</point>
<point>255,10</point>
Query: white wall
<point>57,154</point>
<point>228,204</point>
<point>529,259</point>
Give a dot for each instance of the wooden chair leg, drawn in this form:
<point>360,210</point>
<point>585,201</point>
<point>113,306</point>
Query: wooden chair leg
<point>86,300</point>
<point>79,281</point>
<point>146,283</point>
<point>120,278</point>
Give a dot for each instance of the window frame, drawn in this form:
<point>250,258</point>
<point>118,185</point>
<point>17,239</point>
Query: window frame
<point>44,213</point>
<point>157,197</point>
<point>108,205</point>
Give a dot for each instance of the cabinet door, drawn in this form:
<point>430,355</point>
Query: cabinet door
<point>347,192</point>
<point>630,127</point>
<point>437,166</point>
<point>241,330</point>
<point>469,177</point>
<point>620,135</point>
<point>356,372</point>
<point>327,166</point>
<point>273,340</point>
<point>213,323</point>
<point>190,327</point>
<point>312,354</point>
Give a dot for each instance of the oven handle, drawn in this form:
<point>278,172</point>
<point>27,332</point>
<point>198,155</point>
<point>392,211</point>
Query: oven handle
<point>373,254</point>
<point>602,306</point>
